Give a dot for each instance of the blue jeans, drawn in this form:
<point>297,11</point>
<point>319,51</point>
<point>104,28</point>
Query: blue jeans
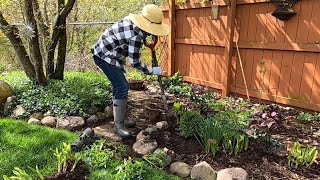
<point>116,76</point>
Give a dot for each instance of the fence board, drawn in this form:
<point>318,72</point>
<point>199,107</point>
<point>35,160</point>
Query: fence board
<point>315,96</point>
<point>308,75</point>
<point>314,32</point>
<point>275,72</point>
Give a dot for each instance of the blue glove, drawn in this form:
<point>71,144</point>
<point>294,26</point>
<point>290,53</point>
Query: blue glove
<point>156,70</point>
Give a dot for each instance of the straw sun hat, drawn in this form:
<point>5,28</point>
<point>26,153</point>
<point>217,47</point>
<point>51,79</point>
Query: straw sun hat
<point>150,20</point>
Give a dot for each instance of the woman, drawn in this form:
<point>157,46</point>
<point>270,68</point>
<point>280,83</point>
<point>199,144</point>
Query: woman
<point>125,39</point>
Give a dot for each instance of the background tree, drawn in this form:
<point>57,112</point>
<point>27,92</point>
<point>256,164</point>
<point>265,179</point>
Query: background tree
<point>36,27</point>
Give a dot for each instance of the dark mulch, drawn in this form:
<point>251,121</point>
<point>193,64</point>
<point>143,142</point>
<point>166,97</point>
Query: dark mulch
<point>79,173</point>
<point>256,161</point>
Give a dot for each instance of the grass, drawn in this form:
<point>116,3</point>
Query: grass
<point>24,145</point>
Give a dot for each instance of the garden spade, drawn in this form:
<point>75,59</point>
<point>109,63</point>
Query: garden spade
<point>152,47</point>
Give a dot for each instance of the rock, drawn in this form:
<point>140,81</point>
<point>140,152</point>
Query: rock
<point>142,135</point>
<point>203,171</point>
<point>5,92</point>
<point>34,121</point>
<point>109,111</point>
<point>9,104</point>
<point>232,174</point>
<point>70,123</point>
<point>49,121</point>
<point>38,115</point>
<point>102,116</point>
<point>180,168</point>
<point>48,113</point>
<point>150,129</point>
<point>106,131</point>
<point>19,111</point>
<point>162,125</point>
<point>92,119</point>
<point>145,146</point>
<point>93,110</point>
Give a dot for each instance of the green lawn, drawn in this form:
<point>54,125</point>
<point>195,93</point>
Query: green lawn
<point>23,145</point>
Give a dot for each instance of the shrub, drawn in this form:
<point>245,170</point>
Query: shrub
<point>302,156</point>
<point>188,121</point>
<point>72,96</point>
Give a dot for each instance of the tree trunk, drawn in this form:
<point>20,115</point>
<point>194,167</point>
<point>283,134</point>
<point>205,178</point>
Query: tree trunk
<point>62,47</point>
<point>12,34</point>
<point>34,44</point>
<point>43,28</point>
<point>57,30</point>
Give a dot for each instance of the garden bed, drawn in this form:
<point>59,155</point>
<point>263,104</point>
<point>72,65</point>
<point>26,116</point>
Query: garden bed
<point>256,161</point>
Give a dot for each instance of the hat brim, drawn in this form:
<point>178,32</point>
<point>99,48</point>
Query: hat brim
<point>152,28</point>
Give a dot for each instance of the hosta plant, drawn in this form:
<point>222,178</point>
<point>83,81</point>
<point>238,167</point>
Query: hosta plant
<point>66,160</point>
<point>302,156</point>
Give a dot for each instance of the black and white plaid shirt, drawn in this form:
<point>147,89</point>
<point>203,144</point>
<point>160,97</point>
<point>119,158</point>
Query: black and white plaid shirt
<point>123,39</point>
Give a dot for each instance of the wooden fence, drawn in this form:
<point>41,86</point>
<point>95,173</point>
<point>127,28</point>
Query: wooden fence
<point>281,59</point>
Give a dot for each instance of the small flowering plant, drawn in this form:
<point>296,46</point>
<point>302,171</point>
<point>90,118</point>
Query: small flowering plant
<point>262,121</point>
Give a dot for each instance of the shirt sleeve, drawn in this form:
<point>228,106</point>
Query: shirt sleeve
<point>134,53</point>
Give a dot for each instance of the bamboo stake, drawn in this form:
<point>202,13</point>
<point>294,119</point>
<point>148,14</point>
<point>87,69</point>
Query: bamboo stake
<point>241,66</point>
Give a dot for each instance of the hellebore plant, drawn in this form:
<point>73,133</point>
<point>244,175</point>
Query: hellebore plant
<point>262,121</point>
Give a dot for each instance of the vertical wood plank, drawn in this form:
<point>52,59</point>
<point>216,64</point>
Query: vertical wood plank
<point>239,82</point>
<point>248,59</point>
<point>206,62</point>
<point>243,33</point>
<point>315,95</point>
<point>308,76</point>
<point>304,21</point>
<point>257,77</point>
<point>296,74</point>
<point>172,21</point>
<point>261,23</point>
<point>292,24</point>
<point>314,33</point>
<point>285,74</point>
<point>222,24</point>
<point>220,61</point>
<point>275,73</point>
<point>212,64</point>
<point>252,27</point>
<point>231,13</point>
<point>267,56</point>
<point>270,23</point>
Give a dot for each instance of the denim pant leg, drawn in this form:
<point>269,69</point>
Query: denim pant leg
<point>116,76</point>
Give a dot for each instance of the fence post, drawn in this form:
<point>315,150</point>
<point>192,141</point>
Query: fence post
<point>171,38</point>
<point>231,14</point>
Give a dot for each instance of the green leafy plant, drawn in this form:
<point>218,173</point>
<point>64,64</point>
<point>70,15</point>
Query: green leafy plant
<point>129,170</point>
<point>304,116</point>
<point>72,96</point>
<point>225,130</point>
<point>19,175</point>
<point>188,121</point>
<point>210,135</point>
<point>175,85</point>
<point>302,156</point>
<point>156,159</point>
<point>98,156</point>
<point>65,157</point>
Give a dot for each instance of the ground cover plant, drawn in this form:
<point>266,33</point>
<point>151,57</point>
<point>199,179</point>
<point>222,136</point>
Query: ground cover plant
<point>72,96</point>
